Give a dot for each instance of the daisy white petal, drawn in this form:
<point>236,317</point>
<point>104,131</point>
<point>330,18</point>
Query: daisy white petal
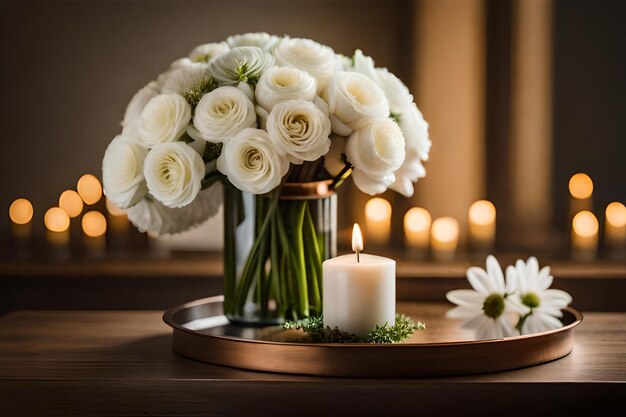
<point>475,321</point>
<point>465,297</point>
<point>544,279</point>
<point>479,280</point>
<point>494,272</point>
<point>546,309</point>
<point>463,312</point>
<point>511,279</point>
<point>553,294</point>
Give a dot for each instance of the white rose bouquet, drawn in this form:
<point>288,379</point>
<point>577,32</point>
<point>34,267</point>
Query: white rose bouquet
<point>251,114</point>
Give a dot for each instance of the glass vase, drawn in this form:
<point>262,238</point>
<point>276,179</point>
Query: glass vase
<point>274,246</point>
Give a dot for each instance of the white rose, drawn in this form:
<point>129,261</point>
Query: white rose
<point>284,83</point>
<point>376,151</point>
<point>409,172</point>
<point>397,93</point>
<point>316,59</point>
<point>261,40</point>
<point>300,129</point>
<point>333,160</point>
<point>150,215</point>
<point>208,52</point>
<point>163,119</point>
<point>184,78</point>
<point>245,63</point>
<point>223,113</point>
<point>174,173</point>
<point>136,106</point>
<point>251,162</point>
<point>122,171</point>
<point>353,99</point>
<point>415,131</point>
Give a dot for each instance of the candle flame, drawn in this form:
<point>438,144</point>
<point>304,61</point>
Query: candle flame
<point>616,214</point>
<point>482,212</point>
<point>585,224</point>
<point>357,238</point>
<point>580,186</point>
<point>21,211</point>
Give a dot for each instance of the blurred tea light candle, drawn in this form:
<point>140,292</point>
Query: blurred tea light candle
<point>57,224</point>
<point>359,290</point>
<point>444,238</point>
<point>21,214</point>
<point>482,224</point>
<point>89,189</point>
<point>94,226</point>
<point>615,229</point>
<point>581,191</point>
<point>378,221</point>
<point>71,203</point>
<point>417,223</point>
<point>584,236</point>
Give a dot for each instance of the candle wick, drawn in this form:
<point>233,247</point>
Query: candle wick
<point>358,260</point>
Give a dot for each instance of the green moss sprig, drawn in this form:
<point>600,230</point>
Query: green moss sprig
<point>402,329</point>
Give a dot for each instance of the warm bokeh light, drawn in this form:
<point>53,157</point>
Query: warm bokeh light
<point>445,229</point>
<point>56,220</point>
<point>94,224</point>
<point>378,209</point>
<point>585,224</point>
<point>417,219</point>
<point>580,186</point>
<point>89,189</point>
<point>482,212</point>
<point>71,203</point>
<point>616,214</point>
<point>357,238</point>
<point>21,211</point>
<point>113,209</point>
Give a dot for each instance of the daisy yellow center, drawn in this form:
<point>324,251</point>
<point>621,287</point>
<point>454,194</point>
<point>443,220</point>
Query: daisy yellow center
<point>531,300</point>
<point>493,306</point>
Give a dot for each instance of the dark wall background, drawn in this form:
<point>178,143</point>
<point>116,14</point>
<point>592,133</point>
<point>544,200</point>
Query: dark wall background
<point>589,100</point>
<point>68,69</point>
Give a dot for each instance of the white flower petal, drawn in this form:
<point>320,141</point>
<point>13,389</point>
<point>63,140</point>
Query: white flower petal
<point>554,296</point>
<point>494,272</point>
<point>479,280</point>
<point>544,279</point>
<point>511,279</point>
<point>466,298</point>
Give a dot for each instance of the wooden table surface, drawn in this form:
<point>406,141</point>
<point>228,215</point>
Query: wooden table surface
<point>121,363</point>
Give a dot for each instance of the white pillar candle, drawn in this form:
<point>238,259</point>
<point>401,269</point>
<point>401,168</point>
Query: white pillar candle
<point>584,236</point>
<point>482,225</point>
<point>359,290</point>
<point>615,230</point>
<point>378,221</point>
<point>444,238</point>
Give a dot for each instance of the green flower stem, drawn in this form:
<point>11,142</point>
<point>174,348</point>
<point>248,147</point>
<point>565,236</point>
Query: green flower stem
<point>300,266</point>
<point>247,275</point>
<point>314,269</point>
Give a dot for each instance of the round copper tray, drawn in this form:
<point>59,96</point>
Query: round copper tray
<point>202,333</point>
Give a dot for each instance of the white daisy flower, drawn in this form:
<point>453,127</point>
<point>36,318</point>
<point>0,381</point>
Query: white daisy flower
<point>486,308</point>
<point>532,287</point>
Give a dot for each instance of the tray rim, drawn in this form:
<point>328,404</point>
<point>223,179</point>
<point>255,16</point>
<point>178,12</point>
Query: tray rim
<point>169,314</point>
